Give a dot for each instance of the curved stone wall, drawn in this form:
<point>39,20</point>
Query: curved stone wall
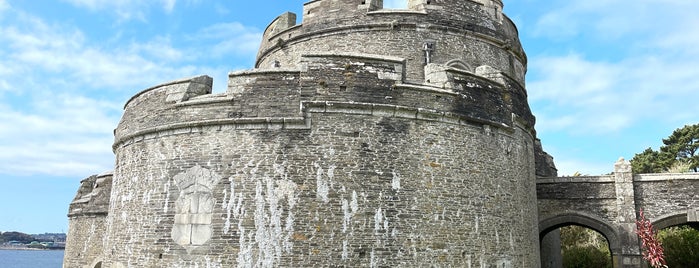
<point>351,190</point>
<point>364,157</point>
<point>478,36</point>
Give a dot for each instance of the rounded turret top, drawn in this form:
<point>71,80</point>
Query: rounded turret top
<point>463,34</point>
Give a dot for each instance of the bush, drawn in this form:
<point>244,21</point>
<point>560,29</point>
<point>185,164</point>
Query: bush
<point>681,246</point>
<point>585,257</point>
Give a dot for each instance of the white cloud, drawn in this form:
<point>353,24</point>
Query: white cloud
<point>4,5</point>
<point>230,38</point>
<point>54,81</point>
<point>169,5</point>
<point>652,78</point>
<point>573,94</point>
<point>127,9</point>
<point>37,47</point>
<point>613,19</point>
<point>63,135</point>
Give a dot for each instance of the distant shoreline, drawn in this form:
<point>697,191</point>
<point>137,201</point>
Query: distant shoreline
<point>26,248</point>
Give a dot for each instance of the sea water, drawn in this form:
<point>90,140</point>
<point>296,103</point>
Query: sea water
<point>31,258</point>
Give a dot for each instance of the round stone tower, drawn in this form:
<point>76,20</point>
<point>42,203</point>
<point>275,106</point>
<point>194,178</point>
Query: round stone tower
<point>364,137</point>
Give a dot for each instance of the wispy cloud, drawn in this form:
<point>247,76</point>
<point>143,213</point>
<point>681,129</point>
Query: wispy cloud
<point>574,94</point>
<point>230,38</point>
<point>61,93</point>
<point>612,69</point>
<point>652,76</point>
<point>38,46</point>
<point>126,9</point>
<point>63,135</point>
<point>612,19</point>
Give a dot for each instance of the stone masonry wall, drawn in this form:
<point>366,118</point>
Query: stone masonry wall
<point>594,196</point>
<point>87,222</point>
<point>366,171</point>
<point>474,37</point>
<point>338,149</point>
<point>352,190</point>
<point>665,198</point>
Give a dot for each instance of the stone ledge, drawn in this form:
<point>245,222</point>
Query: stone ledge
<point>304,123</point>
<point>194,80</point>
<point>210,99</point>
<point>580,179</point>
<point>384,26</point>
<point>364,56</point>
<point>665,177</point>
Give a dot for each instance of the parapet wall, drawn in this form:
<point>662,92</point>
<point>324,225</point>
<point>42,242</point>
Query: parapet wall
<point>87,222</point>
<point>466,31</point>
<point>280,94</point>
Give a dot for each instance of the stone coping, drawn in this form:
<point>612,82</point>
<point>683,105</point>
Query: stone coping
<point>610,178</point>
<point>666,177</point>
<point>264,71</point>
<point>364,56</point>
<point>578,179</point>
<point>304,122</point>
<point>385,26</point>
<point>192,79</point>
<point>396,11</point>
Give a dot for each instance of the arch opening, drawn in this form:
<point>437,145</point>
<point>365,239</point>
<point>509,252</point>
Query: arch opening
<point>678,219</point>
<point>459,64</point>
<point>680,239</point>
<point>579,246</point>
<point>581,237</point>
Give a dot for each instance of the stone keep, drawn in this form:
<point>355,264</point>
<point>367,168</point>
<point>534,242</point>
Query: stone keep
<point>363,137</point>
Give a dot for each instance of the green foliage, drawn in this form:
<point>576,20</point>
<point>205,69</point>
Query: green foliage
<point>17,236</point>
<point>583,247</point>
<point>684,145</point>
<point>585,257</point>
<point>680,150</point>
<point>681,246</point>
<point>649,161</point>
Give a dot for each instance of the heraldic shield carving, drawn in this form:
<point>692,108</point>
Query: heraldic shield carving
<point>194,207</point>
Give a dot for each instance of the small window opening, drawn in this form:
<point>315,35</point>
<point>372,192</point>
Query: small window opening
<point>395,4</point>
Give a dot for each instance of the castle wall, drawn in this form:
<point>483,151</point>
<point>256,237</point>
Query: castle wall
<point>472,37</point>
<point>85,244</point>
<point>595,196</point>
<point>668,199</point>
<point>351,190</point>
<point>362,171</point>
<point>87,222</point>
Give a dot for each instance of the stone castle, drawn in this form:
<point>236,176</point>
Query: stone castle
<point>363,137</point>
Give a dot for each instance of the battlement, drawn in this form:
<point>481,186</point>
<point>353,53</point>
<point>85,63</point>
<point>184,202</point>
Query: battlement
<point>93,196</point>
<point>472,32</point>
<point>482,96</point>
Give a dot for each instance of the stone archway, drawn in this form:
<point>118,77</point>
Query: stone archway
<point>95,264</point>
<point>669,220</point>
<point>588,221</point>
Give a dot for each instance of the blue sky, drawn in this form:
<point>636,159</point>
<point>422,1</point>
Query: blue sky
<point>607,79</point>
